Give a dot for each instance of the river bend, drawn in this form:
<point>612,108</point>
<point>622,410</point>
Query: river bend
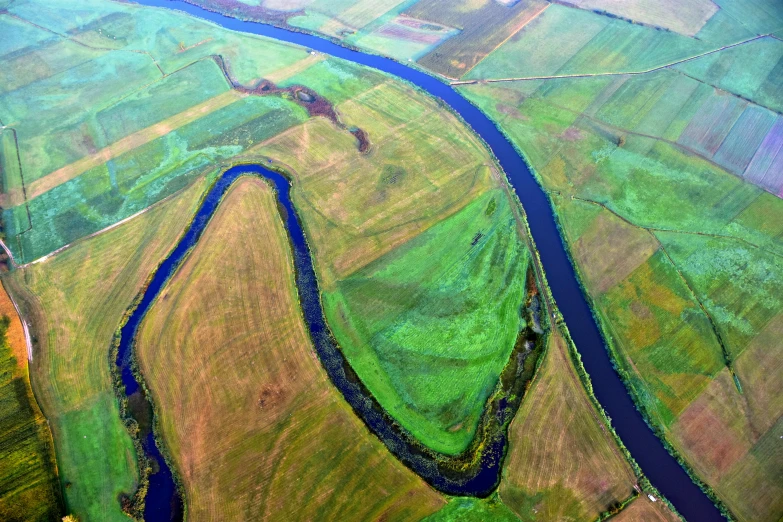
<point>660,467</point>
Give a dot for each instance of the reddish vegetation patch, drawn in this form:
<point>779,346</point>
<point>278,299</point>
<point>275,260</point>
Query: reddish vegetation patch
<point>510,110</point>
<point>363,138</point>
<point>400,32</point>
<point>706,434</point>
<point>418,24</point>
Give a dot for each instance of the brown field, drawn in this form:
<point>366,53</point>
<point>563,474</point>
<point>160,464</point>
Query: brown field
<point>611,249</point>
<point>644,510</point>
<point>485,26</point>
<point>562,464</point>
<point>75,301</point>
<point>253,424</point>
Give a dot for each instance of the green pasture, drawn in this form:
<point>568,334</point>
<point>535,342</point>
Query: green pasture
<point>75,303</point>
<point>136,179</point>
<point>414,323</point>
<point>29,488</point>
<point>19,35</point>
<point>336,80</point>
<point>55,130</point>
<point>29,65</point>
<point>737,283</point>
<point>758,16</point>
<point>10,174</point>
<point>185,88</point>
<point>723,29</point>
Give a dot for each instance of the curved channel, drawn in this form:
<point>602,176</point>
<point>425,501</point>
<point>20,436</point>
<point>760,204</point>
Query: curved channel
<point>658,465</point>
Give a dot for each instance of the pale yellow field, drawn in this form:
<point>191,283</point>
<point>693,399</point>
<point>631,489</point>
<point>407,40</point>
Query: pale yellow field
<point>562,460</point>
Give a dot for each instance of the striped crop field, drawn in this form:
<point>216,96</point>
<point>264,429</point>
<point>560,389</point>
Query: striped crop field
<point>574,476</point>
<point>254,426</point>
<point>644,509</point>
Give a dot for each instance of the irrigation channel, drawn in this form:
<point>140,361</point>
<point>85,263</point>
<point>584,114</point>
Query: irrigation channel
<point>660,467</point>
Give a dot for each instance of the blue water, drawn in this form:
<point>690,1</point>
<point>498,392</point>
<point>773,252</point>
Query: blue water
<point>657,464</point>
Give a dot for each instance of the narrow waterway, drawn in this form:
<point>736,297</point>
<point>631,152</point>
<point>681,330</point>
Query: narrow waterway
<point>658,465</point>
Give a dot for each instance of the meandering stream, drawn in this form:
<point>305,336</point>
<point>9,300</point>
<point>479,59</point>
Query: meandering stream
<point>658,465</point>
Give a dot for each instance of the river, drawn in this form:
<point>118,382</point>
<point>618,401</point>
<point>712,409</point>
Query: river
<point>658,465</point>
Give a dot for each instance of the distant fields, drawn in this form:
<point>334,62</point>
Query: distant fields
<point>121,142</point>
<point>29,487</point>
<point>75,302</point>
<point>255,428</point>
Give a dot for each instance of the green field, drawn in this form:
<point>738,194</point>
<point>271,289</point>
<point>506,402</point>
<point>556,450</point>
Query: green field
<point>120,142</point>
<point>423,311</point>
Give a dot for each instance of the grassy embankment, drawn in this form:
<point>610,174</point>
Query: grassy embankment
<point>75,302</point>
<point>29,487</point>
<point>254,426</point>
<point>661,185</point>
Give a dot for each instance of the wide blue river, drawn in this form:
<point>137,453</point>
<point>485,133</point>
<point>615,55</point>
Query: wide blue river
<point>658,465</point>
